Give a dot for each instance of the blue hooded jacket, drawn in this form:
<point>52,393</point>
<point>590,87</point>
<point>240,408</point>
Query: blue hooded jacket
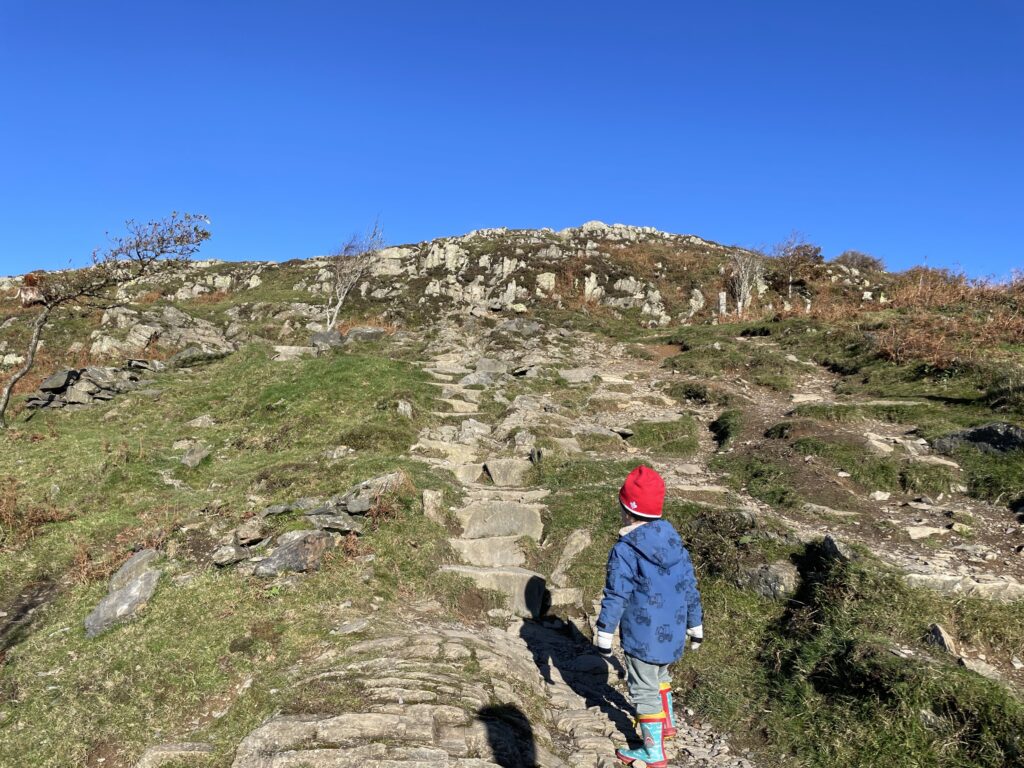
<point>651,592</point>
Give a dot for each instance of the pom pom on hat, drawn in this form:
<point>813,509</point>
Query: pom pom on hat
<point>643,493</point>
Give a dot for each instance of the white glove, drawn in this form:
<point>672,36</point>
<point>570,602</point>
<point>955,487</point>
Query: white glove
<point>696,635</point>
<point>604,642</point>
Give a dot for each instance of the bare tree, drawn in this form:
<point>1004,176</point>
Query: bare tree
<point>747,271</point>
<point>144,251</point>
<point>347,267</point>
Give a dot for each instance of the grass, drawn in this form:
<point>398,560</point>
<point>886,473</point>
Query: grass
<point>727,426</point>
<point>669,438</point>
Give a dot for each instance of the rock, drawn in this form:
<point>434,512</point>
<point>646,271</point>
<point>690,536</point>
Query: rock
<point>483,519</point>
<point>563,597</point>
<point>59,381</point>
<point>132,568</point>
<point>526,590</point>
<point>433,506</point>
<point>490,365</point>
<point>122,604</point>
<point>201,422</point>
<point>297,551</point>
<point>326,339</point>
<point>823,511</point>
<point>404,409</point>
<point>998,437</point>
<point>229,554</point>
<point>1016,663</point>
<point>360,498</point>
<point>938,636</point>
<point>578,541</point>
<point>880,496</point>
<point>924,531</point>
<point>982,668</point>
<point>507,472</point>
<point>178,754</point>
<point>285,353</point>
<point>192,356</point>
<point>578,375</point>
<point>834,549</point>
<point>340,522</point>
<point>491,552</point>
<point>195,454</point>
<point>776,580</point>
<point>351,627</point>
<point>250,531</point>
<point>364,333</point>
<point>799,397</point>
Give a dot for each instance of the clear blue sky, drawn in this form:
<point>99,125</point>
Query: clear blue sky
<point>892,127</point>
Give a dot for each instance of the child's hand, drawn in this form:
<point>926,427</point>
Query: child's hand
<point>696,635</point>
<point>604,643</point>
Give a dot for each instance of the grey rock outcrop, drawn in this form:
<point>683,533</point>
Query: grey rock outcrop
<point>130,589</point>
<point>775,580</point>
<point>295,551</point>
<point>77,387</point>
<point>998,437</point>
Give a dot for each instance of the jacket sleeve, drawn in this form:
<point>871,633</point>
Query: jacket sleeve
<point>617,589</point>
<point>694,608</point>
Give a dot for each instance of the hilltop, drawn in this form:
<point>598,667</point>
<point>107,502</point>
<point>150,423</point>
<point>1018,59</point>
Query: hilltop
<point>231,535</point>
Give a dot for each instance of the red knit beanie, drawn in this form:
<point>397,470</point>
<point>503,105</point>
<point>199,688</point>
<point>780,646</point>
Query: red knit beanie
<point>643,493</point>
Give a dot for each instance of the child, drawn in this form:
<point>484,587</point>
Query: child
<point>651,593</point>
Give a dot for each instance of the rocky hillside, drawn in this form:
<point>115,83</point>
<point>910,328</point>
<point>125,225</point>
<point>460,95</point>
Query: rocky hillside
<point>233,536</point>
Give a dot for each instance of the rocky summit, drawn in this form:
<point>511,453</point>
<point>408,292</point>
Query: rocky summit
<point>236,531</point>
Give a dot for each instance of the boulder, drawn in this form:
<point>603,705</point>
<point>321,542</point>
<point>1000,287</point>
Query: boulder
<point>249,532</point>
<point>363,333</point>
<point>998,437</point>
<point>433,506</point>
<point>775,580</point>
<point>284,353</point>
<point>339,522</point>
<point>938,636</point>
<point>360,498</point>
<point>195,454</point>
<point>328,338</point>
<point>296,551</point>
<point>59,381</point>
<point>122,604</point>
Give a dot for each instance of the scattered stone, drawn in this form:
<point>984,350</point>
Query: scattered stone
<point>90,385</point>
<point>250,531</point>
<point>360,498</point>
<point>880,496</point>
<point>490,365</point>
<point>938,636</point>
<point>339,522</point>
<point>820,510</point>
<point>201,422</point>
<point>404,408</point>
<point>326,339</point>
<point>297,551</point>
<point>1016,663</point>
<point>195,454</point>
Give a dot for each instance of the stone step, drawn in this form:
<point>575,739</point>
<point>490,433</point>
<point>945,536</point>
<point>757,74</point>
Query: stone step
<point>482,519</point>
<point>526,590</point>
<point>460,406</point>
<point>508,472</point>
<point>466,473</point>
<point>491,552</point>
<point>476,492</point>
<point>454,452</point>
<point>452,414</point>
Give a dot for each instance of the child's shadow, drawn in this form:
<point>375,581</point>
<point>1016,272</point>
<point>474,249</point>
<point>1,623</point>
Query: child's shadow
<point>582,668</point>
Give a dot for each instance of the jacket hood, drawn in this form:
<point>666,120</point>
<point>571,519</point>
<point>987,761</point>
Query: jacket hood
<point>656,541</point>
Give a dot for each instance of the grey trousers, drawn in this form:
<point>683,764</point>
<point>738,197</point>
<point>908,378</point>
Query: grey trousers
<point>644,682</point>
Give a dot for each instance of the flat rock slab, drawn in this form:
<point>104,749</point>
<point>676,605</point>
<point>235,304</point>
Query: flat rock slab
<point>284,354</point>
<point>296,551</point>
<point>194,456</point>
<point>491,552</point>
<point>578,375</point>
<point>527,592</point>
<point>122,604</point>
<point>133,568</point>
<point>508,472</point>
<point>805,397</point>
<point>460,406</point>
<point>484,519</point>
<point>924,531</point>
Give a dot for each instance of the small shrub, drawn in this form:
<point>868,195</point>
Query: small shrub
<point>698,392</point>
